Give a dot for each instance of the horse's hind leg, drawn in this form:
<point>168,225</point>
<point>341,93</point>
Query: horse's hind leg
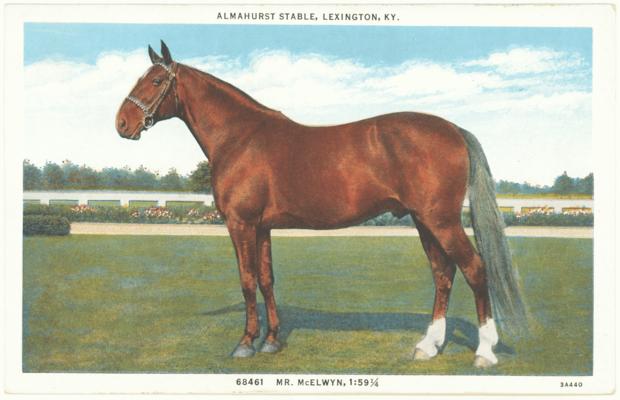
<point>443,270</point>
<point>454,241</point>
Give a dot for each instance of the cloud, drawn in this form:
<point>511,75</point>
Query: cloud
<point>70,110</point>
<point>509,99</point>
<point>528,60</point>
<point>308,87</point>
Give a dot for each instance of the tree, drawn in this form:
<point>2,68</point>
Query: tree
<point>116,178</point>
<point>200,178</point>
<point>171,181</point>
<point>71,175</point>
<point>32,176</point>
<point>528,188</point>
<point>586,184</point>
<point>144,179</point>
<point>53,177</point>
<point>89,178</point>
<point>507,187</point>
<point>563,184</point>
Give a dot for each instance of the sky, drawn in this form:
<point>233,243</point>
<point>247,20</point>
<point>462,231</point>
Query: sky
<point>524,92</point>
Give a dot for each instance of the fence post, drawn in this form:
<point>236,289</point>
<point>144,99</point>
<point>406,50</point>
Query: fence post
<point>124,200</point>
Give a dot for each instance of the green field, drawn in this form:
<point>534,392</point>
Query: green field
<point>348,305</point>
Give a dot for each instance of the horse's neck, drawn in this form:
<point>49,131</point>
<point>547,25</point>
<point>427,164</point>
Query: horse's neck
<point>218,115</point>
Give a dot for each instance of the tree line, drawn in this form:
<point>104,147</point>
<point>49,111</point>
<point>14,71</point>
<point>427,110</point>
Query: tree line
<point>563,184</point>
<point>69,176</point>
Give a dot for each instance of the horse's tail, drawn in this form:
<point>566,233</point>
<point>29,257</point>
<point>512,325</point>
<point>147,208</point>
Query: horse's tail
<point>506,303</point>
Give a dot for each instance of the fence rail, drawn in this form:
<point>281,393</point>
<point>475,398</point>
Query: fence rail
<point>96,197</point>
<point>145,199</point>
<point>557,205</point>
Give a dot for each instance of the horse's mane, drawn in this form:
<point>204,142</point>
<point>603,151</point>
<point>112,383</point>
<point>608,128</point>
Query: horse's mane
<point>236,93</point>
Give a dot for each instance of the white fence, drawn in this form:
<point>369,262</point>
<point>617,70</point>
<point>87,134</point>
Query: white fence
<point>558,205</point>
<point>92,197</point>
<point>89,197</point>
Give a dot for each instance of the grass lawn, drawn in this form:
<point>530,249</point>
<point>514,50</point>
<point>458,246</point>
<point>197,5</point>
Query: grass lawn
<point>348,305</point>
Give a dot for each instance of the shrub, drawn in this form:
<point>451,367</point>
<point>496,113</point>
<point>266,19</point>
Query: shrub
<point>54,225</point>
<point>541,217</point>
<point>146,215</point>
<point>153,215</point>
<point>388,219</point>
<point>44,209</point>
<point>182,214</point>
<point>563,219</point>
<point>466,219</point>
<point>109,214</point>
<point>205,215</point>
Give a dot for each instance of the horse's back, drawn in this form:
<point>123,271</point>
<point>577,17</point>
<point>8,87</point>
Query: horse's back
<point>395,136</point>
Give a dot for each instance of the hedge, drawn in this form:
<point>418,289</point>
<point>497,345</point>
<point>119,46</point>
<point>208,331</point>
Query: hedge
<point>536,219</point>
<point>184,214</point>
<point>181,214</point>
<point>388,219</point>
<point>510,219</point>
<point>53,225</point>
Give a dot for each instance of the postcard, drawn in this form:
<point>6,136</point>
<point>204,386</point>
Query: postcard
<point>310,199</point>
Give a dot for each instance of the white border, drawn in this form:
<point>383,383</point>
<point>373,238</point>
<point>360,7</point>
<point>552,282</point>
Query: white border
<point>600,17</point>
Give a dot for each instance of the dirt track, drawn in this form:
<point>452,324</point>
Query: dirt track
<point>86,228</point>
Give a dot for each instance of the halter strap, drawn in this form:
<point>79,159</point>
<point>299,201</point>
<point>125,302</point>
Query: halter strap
<point>149,111</point>
<point>166,67</point>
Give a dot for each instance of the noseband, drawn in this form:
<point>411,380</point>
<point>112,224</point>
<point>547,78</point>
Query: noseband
<point>149,111</point>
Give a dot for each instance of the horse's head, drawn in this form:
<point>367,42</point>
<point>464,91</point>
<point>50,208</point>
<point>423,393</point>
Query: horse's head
<point>153,98</point>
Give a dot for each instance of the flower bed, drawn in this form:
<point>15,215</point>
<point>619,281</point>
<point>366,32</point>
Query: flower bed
<point>543,216</point>
<point>144,215</point>
<point>209,215</point>
<point>546,217</point>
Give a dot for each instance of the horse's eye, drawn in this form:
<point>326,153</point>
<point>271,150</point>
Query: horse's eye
<point>156,82</point>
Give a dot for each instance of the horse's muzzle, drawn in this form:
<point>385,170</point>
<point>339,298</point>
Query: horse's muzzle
<point>125,132</point>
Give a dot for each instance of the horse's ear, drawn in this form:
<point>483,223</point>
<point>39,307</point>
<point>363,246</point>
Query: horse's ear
<point>166,53</point>
<point>154,57</point>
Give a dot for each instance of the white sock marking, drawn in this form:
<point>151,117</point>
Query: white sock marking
<point>488,338</point>
<point>434,338</point>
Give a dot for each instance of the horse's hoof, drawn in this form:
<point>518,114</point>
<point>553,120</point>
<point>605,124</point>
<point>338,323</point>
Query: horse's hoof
<point>243,350</point>
<point>420,355</point>
<point>482,362</point>
<point>271,347</point>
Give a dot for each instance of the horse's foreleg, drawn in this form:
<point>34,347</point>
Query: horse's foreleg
<point>443,275</point>
<point>244,241</point>
<point>265,283</point>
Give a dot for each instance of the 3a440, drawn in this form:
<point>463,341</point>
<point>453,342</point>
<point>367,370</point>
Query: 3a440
<point>571,384</point>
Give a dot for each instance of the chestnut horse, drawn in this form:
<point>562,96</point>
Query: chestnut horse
<point>269,172</point>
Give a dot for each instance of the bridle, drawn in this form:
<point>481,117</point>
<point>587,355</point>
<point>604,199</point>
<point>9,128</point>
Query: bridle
<point>149,111</point>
